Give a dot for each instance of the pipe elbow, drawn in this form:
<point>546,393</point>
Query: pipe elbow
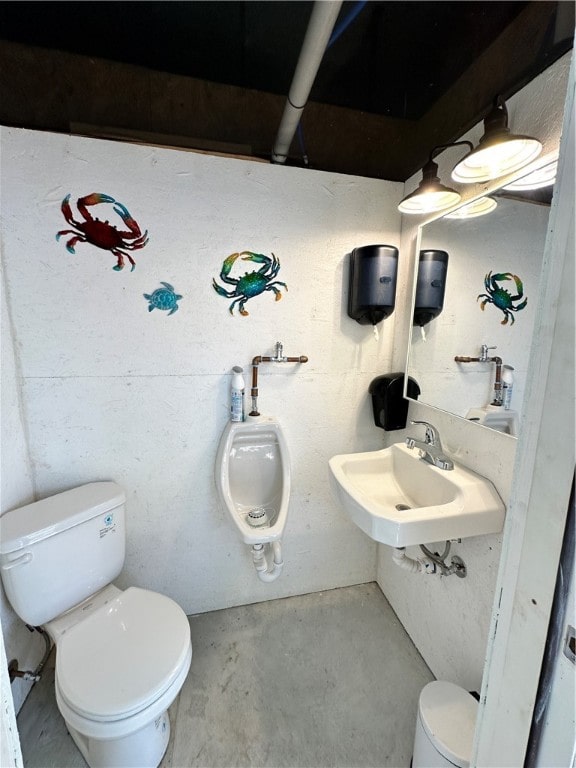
<point>420,565</point>
<point>264,571</point>
<point>268,576</point>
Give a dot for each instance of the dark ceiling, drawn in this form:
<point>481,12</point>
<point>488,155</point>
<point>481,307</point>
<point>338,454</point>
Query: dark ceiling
<point>394,58</point>
<point>391,64</point>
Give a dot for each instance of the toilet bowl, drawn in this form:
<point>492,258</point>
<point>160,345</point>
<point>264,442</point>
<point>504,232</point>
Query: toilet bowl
<point>252,474</point>
<point>444,727</point>
<point>121,656</point>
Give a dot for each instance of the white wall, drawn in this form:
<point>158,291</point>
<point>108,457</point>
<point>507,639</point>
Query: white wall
<point>16,488</point>
<point>543,478</point>
<point>10,752</point>
<point>557,745</point>
<point>114,391</point>
<point>449,619</point>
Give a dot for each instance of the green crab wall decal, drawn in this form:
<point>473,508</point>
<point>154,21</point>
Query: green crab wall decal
<point>502,298</point>
<point>250,284</point>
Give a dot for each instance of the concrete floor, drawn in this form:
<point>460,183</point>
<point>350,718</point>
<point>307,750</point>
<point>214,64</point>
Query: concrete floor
<point>326,679</point>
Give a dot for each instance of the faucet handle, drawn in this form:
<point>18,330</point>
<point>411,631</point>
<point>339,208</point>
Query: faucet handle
<point>432,436</point>
<point>484,352</point>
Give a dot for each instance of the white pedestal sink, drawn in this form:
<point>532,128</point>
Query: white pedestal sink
<point>398,499</point>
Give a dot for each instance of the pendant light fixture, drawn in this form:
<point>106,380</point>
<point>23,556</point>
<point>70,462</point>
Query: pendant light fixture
<point>431,195</point>
<point>499,152</point>
<point>479,207</point>
<point>542,177</point>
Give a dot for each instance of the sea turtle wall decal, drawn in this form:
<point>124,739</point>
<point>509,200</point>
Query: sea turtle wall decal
<point>164,298</point>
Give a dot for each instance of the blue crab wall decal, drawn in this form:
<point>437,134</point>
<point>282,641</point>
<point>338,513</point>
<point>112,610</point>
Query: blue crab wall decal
<point>252,283</point>
<point>501,297</point>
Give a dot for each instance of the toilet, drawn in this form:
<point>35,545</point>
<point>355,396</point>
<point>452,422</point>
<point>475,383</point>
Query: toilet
<point>121,655</point>
<point>445,726</point>
<point>252,474</point>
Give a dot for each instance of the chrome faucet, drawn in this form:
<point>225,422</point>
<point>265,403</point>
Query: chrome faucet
<point>430,448</point>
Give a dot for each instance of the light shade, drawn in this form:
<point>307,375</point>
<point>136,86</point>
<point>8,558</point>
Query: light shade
<point>431,195</point>
<point>542,177</point>
<point>498,153</point>
<point>479,207</point>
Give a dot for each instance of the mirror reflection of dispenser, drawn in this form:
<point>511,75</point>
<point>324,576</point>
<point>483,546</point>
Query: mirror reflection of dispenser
<point>372,283</point>
<point>430,287</point>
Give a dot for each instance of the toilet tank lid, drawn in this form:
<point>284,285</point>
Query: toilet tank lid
<point>448,714</point>
<point>27,525</point>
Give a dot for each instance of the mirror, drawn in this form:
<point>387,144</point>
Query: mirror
<point>491,289</point>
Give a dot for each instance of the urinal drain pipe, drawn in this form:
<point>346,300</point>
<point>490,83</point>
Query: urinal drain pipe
<point>264,571</point>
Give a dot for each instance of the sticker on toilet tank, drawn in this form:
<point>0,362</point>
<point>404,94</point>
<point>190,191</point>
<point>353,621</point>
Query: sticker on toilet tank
<point>109,525</point>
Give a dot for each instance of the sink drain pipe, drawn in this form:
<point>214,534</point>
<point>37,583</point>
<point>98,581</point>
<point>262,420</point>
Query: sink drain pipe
<point>431,564</point>
<point>267,572</point>
<point>420,565</point>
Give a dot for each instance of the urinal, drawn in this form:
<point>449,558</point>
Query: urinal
<point>252,475</point>
<point>495,417</point>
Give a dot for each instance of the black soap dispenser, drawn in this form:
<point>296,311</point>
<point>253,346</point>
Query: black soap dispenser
<point>430,286</point>
<point>372,283</point>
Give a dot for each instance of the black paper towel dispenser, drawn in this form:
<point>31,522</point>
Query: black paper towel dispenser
<point>388,402</point>
<point>430,286</point>
<point>372,283</point>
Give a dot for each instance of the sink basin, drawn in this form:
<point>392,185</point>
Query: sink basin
<point>398,499</point>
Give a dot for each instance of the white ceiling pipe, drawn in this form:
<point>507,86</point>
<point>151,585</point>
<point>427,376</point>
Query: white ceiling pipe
<point>320,26</point>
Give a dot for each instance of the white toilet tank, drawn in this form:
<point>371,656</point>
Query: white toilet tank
<point>57,552</point>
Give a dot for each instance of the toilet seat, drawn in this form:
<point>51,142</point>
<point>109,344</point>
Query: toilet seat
<point>123,657</point>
